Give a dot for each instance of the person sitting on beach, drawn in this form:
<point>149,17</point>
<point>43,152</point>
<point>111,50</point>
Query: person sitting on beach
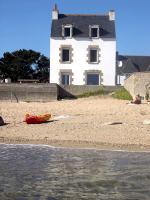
<point>137,99</point>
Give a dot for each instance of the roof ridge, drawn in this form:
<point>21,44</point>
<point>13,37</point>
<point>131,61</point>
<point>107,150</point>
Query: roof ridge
<point>85,14</point>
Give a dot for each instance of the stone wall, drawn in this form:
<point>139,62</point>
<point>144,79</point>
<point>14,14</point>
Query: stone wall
<point>138,83</point>
<point>28,92</point>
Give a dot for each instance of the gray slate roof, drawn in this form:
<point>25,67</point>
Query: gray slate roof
<point>131,64</point>
<point>81,25</point>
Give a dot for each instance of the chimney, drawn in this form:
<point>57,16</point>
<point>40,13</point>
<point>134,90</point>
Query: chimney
<point>55,13</point>
<point>111,15</point>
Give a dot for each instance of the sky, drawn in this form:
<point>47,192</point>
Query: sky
<point>25,24</point>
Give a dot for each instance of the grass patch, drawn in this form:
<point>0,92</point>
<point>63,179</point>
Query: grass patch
<point>93,93</point>
<point>122,93</point>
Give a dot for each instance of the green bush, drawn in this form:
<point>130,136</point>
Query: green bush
<point>94,93</point>
<point>122,93</point>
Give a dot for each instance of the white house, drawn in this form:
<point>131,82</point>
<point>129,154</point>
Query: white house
<point>82,49</point>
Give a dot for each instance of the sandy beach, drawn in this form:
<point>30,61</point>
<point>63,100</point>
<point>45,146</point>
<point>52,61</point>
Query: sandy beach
<point>82,123</point>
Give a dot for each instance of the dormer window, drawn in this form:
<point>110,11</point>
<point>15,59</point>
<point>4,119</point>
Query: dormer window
<point>67,31</point>
<point>94,31</point>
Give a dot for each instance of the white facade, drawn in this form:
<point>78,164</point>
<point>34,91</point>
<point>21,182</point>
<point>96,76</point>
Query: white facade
<point>79,64</point>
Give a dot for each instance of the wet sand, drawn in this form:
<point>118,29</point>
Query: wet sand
<point>86,124</point>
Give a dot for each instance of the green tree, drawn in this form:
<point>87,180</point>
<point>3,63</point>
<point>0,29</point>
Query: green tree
<point>24,64</point>
<point>42,70</point>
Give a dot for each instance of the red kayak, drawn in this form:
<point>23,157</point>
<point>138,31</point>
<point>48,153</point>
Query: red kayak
<point>37,119</point>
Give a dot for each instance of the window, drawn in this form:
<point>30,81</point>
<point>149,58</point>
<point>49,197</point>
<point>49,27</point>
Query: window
<point>93,79</point>
<point>65,79</point>
<point>67,31</point>
<point>65,76</point>
<point>66,55</point>
<point>93,56</point>
<point>119,63</point>
<point>94,31</point>
<point>120,79</point>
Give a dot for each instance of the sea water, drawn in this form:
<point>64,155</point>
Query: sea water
<point>44,173</point>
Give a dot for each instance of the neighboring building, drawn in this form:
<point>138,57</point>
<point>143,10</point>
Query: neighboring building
<point>83,49</point>
<point>127,65</point>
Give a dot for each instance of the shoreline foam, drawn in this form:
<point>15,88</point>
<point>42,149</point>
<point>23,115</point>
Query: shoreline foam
<point>79,145</point>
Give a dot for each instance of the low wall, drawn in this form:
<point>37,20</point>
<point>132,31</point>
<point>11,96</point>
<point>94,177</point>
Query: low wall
<point>36,92</point>
<point>74,90</point>
<point>138,83</point>
<point>28,92</point>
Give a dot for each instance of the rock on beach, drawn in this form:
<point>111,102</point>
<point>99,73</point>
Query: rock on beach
<point>1,121</point>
